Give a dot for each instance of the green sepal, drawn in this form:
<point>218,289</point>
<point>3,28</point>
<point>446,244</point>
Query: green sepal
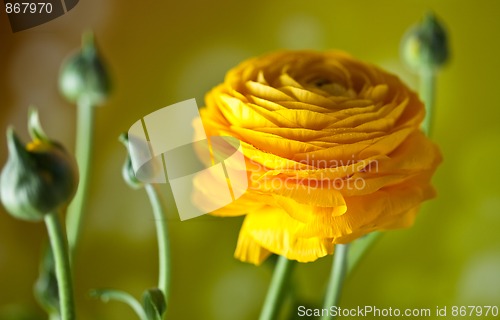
<point>34,127</point>
<point>45,289</point>
<point>154,303</point>
<point>128,173</point>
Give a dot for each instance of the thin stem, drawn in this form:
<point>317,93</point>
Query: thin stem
<point>61,261</point>
<point>276,291</point>
<point>163,239</point>
<point>337,276</point>
<point>120,296</point>
<point>427,94</point>
<point>84,138</point>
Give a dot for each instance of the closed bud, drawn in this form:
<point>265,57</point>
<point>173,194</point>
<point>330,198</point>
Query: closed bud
<point>38,178</point>
<point>127,169</point>
<point>425,46</point>
<point>84,76</point>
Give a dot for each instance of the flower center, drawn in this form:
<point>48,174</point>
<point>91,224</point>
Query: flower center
<point>331,88</point>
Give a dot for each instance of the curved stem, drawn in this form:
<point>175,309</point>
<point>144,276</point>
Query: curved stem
<point>163,240</point>
<point>427,94</point>
<point>121,296</point>
<point>337,276</point>
<point>275,293</point>
<point>63,271</point>
<point>84,138</point>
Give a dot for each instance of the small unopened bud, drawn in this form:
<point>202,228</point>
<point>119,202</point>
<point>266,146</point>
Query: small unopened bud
<point>127,169</point>
<point>38,178</point>
<point>84,76</point>
<point>425,45</point>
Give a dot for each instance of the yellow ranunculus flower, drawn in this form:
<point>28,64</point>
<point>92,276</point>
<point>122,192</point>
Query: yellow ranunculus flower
<point>333,151</point>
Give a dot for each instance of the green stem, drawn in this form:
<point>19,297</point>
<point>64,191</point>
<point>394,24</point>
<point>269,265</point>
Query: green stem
<point>337,276</point>
<point>427,94</point>
<point>276,291</point>
<point>120,296</point>
<point>163,240</point>
<point>84,138</point>
<point>63,271</point>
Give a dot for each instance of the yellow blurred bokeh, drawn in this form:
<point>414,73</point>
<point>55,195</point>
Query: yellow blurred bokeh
<point>162,52</point>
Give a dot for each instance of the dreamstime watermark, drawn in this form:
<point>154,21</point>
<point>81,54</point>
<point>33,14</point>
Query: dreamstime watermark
<point>162,148</point>
<point>166,145</point>
<point>25,14</point>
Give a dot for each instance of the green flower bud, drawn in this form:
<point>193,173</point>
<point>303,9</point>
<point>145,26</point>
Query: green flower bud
<point>127,169</point>
<point>38,178</point>
<point>425,45</point>
<point>84,77</point>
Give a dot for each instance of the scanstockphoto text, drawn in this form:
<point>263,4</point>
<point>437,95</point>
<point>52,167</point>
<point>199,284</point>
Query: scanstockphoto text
<point>464,312</point>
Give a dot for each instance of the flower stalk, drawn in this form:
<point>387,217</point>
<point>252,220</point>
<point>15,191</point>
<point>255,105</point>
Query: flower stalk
<point>83,80</point>
<point>276,292</point>
<point>154,299</point>
<point>63,272</point>
<point>427,94</point>
<point>337,277</point>
<point>83,154</point>
<point>163,239</point>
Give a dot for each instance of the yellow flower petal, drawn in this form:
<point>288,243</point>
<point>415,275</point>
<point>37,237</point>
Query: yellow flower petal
<point>273,229</point>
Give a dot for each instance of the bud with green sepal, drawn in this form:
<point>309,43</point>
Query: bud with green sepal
<point>425,49</point>
<point>426,44</point>
<point>84,76</point>
<point>39,178</point>
<point>127,169</point>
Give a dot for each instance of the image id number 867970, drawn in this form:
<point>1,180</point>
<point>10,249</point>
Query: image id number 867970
<point>28,7</point>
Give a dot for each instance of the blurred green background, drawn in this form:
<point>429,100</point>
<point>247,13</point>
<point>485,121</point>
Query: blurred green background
<point>162,52</point>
